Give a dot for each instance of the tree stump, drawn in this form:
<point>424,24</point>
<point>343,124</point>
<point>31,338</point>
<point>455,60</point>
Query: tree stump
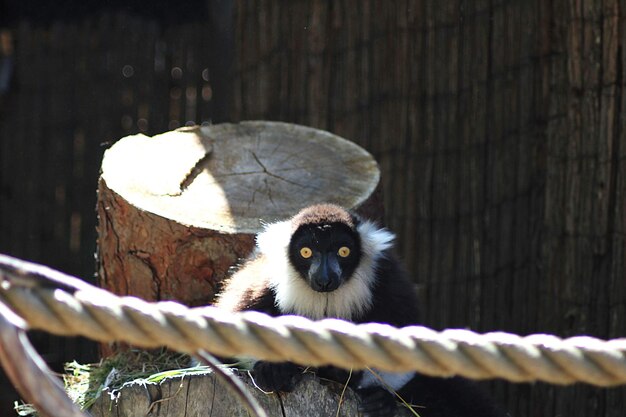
<point>177,210</point>
<point>205,395</point>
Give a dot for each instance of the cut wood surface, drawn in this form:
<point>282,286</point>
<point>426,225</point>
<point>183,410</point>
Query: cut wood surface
<point>205,395</point>
<point>177,210</point>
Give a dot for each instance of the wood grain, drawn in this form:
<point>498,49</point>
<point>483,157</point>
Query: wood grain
<point>200,395</point>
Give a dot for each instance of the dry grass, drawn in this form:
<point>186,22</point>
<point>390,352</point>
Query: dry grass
<point>85,383</point>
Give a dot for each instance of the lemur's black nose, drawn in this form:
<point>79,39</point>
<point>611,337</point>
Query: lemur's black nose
<point>326,275</point>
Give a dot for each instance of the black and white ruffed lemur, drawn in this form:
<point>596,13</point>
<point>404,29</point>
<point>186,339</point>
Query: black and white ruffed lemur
<point>326,262</point>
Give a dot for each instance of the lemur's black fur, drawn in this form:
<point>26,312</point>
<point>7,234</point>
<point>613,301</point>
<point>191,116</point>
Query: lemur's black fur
<point>278,280</point>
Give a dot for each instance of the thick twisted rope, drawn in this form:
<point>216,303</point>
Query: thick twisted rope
<point>57,303</point>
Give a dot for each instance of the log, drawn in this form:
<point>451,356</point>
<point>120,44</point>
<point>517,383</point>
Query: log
<point>203,395</point>
<point>177,210</point>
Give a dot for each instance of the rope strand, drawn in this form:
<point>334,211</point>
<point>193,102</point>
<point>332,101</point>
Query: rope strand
<point>48,300</point>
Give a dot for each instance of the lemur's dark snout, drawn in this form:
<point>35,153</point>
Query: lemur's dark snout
<point>325,273</point>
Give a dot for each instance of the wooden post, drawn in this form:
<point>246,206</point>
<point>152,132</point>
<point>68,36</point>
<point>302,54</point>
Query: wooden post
<point>177,210</point>
<point>204,394</point>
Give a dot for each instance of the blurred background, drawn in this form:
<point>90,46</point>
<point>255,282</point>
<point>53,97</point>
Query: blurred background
<point>497,125</point>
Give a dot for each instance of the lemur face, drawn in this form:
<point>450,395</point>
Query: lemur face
<point>325,255</point>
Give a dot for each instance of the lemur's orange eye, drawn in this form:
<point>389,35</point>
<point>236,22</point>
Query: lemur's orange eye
<point>306,253</point>
<point>344,251</point>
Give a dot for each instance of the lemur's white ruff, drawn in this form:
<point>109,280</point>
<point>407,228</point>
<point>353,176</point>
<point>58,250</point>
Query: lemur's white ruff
<point>293,293</point>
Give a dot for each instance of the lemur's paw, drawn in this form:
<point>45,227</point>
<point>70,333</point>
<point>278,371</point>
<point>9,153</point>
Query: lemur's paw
<point>376,402</point>
<point>272,376</point>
